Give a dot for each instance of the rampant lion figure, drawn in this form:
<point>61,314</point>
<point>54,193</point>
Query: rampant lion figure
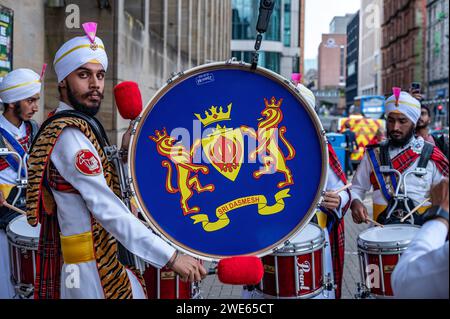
<point>182,160</point>
<point>268,135</point>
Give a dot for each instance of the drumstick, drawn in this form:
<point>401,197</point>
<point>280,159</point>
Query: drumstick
<point>415,209</point>
<point>374,222</point>
<point>343,188</point>
<point>14,208</point>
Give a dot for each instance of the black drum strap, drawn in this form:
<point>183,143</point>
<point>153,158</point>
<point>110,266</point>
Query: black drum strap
<point>425,155</point>
<point>385,159</point>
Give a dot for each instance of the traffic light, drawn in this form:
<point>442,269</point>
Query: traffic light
<point>440,110</point>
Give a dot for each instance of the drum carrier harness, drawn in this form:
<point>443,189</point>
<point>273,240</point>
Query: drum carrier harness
<point>399,205</point>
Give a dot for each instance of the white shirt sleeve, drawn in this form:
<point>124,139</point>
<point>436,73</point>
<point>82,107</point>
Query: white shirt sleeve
<point>334,183</point>
<point>361,179</point>
<point>423,270</point>
<point>104,205</point>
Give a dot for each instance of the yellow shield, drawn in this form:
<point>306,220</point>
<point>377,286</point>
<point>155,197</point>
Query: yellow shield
<point>224,149</point>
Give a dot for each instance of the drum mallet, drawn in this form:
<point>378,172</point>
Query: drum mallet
<point>415,209</point>
<point>14,208</point>
<point>343,188</point>
<point>243,270</point>
<point>374,222</point>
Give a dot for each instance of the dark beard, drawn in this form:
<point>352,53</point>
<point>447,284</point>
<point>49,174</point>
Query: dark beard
<point>18,111</point>
<point>402,142</point>
<point>77,105</point>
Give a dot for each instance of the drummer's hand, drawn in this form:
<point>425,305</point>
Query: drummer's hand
<point>2,199</point>
<point>188,268</point>
<point>126,142</point>
<point>331,200</point>
<point>439,194</point>
<point>359,212</point>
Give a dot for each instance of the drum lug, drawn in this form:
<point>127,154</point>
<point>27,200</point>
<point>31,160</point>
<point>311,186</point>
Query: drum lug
<point>233,60</point>
<point>362,292</point>
<point>174,75</point>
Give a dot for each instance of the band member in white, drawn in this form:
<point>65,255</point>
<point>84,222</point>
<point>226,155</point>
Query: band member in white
<point>19,93</point>
<point>90,216</point>
<point>331,215</point>
<point>404,152</point>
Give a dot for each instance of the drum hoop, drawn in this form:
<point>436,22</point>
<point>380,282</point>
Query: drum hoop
<point>388,246</point>
<point>18,239</point>
<point>296,251</point>
<point>214,67</point>
<point>313,294</point>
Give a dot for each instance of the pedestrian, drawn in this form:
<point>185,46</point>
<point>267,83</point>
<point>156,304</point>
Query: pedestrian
<point>351,146</point>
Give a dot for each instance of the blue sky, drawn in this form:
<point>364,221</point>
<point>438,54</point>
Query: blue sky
<point>319,14</point>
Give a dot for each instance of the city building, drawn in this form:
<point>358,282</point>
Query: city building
<point>146,41</point>
<point>369,69</point>
<point>437,81</point>
<point>331,72</point>
<point>282,47</point>
<point>403,43</point>
<point>351,84</point>
<point>339,23</point>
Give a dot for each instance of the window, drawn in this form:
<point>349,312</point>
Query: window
<point>268,60</point>
<point>287,23</point>
<point>245,17</point>
<point>136,9</point>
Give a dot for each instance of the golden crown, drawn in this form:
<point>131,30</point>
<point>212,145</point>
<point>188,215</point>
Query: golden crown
<point>159,135</point>
<point>213,116</point>
<point>273,102</point>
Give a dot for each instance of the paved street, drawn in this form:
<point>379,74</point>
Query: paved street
<point>212,288</point>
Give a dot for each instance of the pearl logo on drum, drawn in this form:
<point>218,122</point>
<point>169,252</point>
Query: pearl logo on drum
<point>304,267</point>
<point>205,78</point>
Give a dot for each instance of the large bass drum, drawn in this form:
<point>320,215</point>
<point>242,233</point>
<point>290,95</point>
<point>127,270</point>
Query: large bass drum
<point>228,161</point>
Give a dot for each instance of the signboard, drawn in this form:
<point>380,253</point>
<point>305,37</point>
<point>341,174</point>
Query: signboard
<point>6,40</point>
<point>372,107</point>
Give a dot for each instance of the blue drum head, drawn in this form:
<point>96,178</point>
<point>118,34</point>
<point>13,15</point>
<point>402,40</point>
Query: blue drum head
<point>227,161</point>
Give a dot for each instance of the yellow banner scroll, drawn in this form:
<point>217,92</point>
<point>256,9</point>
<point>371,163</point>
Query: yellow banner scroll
<point>223,210</point>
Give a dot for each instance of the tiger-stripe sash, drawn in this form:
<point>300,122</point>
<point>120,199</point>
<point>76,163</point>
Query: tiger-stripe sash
<point>113,276</point>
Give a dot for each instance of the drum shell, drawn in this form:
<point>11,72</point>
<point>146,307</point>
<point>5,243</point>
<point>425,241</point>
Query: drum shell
<point>384,256</point>
<point>165,284</point>
<point>297,270</point>
<point>23,255</point>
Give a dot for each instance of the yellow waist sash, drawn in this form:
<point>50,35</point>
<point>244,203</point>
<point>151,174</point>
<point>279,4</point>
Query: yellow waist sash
<point>77,249</point>
<point>6,189</point>
<point>378,209</point>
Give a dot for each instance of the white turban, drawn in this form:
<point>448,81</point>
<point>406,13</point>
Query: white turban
<point>307,95</point>
<point>77,52</point>
<point>406,104</point>
<point>19,85</point>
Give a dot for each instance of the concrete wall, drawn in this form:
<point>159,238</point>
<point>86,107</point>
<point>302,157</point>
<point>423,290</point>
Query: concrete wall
<point>175,36</point>
<point>28,37</point>
<point>369,75</point>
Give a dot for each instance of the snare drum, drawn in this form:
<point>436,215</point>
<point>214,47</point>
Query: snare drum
<point>296,271</point>
<point>379,251</point>
<point>23,244</point>
<point>166,284</point>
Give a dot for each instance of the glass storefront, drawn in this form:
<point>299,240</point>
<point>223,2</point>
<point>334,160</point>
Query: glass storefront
<point>268,60</point>
<point>245,18</point>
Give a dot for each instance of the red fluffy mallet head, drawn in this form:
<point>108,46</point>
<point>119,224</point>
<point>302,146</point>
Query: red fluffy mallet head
<point>128,99</point>
<point>245,270</point>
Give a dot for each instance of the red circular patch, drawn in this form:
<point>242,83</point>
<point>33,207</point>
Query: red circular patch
<point>87,163</point>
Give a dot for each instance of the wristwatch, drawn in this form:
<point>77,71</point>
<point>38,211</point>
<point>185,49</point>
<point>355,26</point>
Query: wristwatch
<point>435,212</point>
